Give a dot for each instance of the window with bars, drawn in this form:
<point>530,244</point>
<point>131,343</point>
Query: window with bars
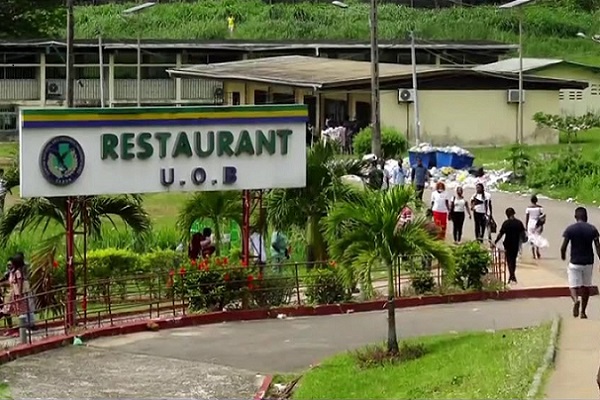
<point>594,89</point>
<point>8,119</point>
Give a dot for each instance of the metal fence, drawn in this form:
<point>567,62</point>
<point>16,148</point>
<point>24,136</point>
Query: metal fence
<point>198,288</point>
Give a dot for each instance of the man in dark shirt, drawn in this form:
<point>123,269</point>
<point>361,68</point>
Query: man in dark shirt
<point>513,232</point>
<point>376,176</point>
<point>419,177</point>
<point>583,237</point>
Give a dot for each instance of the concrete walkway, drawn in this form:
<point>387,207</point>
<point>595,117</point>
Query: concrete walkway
<point>221,360</point>
<point>574,375</point>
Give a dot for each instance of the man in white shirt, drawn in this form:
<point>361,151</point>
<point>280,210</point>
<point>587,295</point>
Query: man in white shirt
<point>257,248</point>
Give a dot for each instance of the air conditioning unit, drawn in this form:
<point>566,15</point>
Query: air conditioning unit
<point>406,95</point>
<point>53,90</point>
<point>512,96</point>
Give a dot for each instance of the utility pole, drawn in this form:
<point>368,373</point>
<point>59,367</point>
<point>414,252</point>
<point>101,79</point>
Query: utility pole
<point>375,96</point>
<point>70,56</point>
<point>413,60</point>
<point>520,105</point>
<point>70,316</point>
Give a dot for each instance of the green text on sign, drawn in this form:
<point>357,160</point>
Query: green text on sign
<point>144,145</point>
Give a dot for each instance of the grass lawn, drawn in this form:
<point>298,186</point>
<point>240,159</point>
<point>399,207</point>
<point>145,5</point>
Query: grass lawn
<point>4,393</point>
<point>483,365</point>
<point>494,157</point>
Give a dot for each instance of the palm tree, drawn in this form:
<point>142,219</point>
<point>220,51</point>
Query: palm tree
<point>40,213</point>
<point>366,230</point>
<point>305,207</point>
<point>218,207</point>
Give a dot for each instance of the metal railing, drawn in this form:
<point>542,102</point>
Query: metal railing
<point>199,288</point>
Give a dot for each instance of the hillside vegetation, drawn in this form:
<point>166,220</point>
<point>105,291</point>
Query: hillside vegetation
<point>550,31</point>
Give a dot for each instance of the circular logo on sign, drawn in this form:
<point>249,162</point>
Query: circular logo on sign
<point>62,160</point>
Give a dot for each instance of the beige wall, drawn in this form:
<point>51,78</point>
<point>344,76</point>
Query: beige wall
<point>471,117</point>
<point>572,101</point>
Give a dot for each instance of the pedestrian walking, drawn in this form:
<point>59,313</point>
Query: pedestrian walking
<point>419,177</point>
<point>459,209</point>
<point>280,251</point>
<point>18,301</point>
<point>375,176</point>
<point>440,207</point>
<point>535,220</point>
<point>582,237</point>
<point>481,204</point>
<point>513,231</point>
<point>397,175</point>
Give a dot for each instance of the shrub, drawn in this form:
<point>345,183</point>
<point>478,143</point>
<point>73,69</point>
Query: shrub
<point>422,282</point>
<point>325,286</point>
<point>378,356</point>
<point>110,264</point>
<point>393,143</point>
<point>212,284</point>
<point>419,269</point>
<point>155,266</point>
<point>160,261</point>
<point>472,262</point>
<point>563,170</point>
<point>272,291</point>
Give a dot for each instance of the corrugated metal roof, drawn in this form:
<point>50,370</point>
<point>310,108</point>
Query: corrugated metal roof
<point>327,73</point>
<point>299,71</point>
<point>529,64</point>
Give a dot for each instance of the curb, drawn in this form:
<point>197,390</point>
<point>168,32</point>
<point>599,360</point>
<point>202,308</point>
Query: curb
<point>54,342</point>
<point>549,356</point>
<point>264,388</point>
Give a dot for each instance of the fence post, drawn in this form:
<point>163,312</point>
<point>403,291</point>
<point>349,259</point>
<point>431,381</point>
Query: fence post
<point>297,279</point>
<point>23,328</point>
<point>109,303</point>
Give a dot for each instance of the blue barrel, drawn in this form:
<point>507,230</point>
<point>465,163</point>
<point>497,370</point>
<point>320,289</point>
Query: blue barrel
<point>429,159</point>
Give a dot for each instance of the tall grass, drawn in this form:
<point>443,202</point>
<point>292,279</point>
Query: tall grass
<point>549,30</point>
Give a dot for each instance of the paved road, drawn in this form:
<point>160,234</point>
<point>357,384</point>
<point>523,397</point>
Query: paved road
<point>221,360</point>
<point>560,215</point>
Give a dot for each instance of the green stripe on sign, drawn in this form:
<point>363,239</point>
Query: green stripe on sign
<point>160,110</point>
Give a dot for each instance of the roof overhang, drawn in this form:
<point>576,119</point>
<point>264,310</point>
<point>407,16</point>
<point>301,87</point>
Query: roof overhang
<point>252,71</point>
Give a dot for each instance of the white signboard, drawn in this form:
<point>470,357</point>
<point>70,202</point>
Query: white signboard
<point>92,151</point>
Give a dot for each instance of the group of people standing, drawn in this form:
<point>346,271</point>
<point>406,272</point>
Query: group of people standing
<point>457,208</point>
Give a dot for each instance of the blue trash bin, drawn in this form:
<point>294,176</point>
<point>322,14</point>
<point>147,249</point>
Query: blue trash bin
<point>464,162</point>
<point>444,159</point>
<point>429,159</point>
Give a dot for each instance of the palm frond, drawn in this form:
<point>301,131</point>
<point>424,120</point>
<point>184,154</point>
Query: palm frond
<point>366,228</point>
<point>129,210</point>
<point>30,213</point>
<point>216,206</point>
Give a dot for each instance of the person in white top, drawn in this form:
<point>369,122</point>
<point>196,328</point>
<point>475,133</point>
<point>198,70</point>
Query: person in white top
<point>481,204</point>
<point>534,221</point>
<point>440,207</point>
<point>257,249</point>
<point>458,209</point>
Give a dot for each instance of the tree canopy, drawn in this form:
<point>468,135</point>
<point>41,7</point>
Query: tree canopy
<point>27,19</point>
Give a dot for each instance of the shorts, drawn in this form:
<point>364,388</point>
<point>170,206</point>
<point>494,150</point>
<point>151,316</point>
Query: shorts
<point>580,275</point>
